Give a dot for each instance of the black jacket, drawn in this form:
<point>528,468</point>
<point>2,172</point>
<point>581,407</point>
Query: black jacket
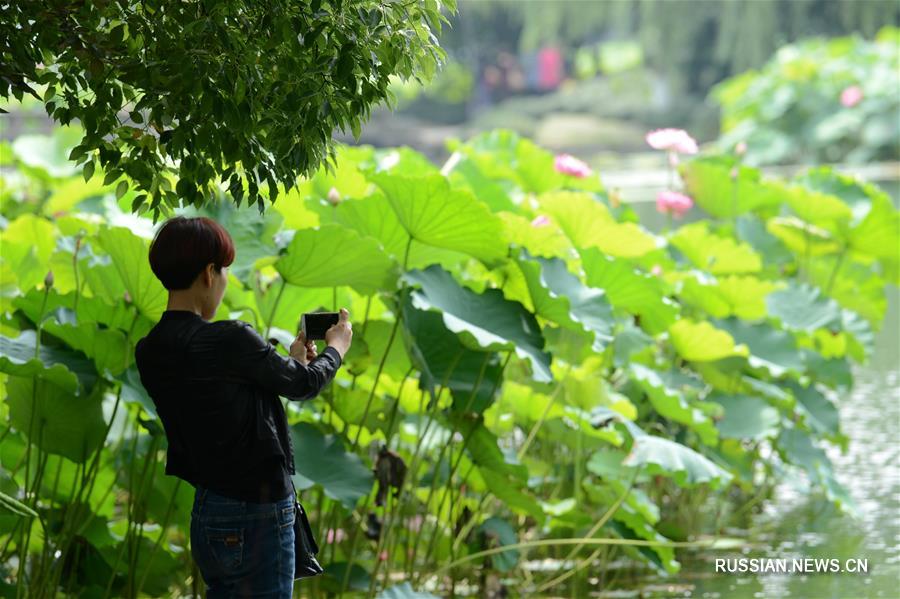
<point>216,386</point>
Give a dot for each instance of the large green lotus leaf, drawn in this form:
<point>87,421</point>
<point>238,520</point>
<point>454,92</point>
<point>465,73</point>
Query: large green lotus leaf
<point>63,264</point>
<point>854,192</point>
<point>434,214</point>
<point>133,390</point>
<point>398,161</point>
<point>671,403</point>
<point>855,286</point>
<point>486,320</point>
<point>525,404</point>
<point>561,296</point>
<point>588,223</point>
<point>106,345</point>
<point>668,458</point>
<point>129,256</point>
<point>60,366</point>
<point>346,176</point>
<point>802,238</point>
<point>510,493</point>
<point>377,334</point>
<point>497,469</point>
<point>802,307</point>
<point>702,342</point>
<point>463,171</point>
<point>28,243</point>
<point>332,255</point>
<point>631,525</point>
<point>715,254</point>
<point>770,348</point>
<point>753,231</point>
<point>62,422</point>
<point>746,417</point>
<point>630,289</point>
<point>833,372</point>
<point>636,514</point>
<point>484,449</point>
<point>321,459</point>
<point>91,310</point>
<point>797,447</point>
<point>107,348</point>
<point>373,216</point>
<point>819,413</point>
<point>709,182</point>
<point>503,155</point>
<point>565,429</point>
<point>523,283</point>
<point>295,209</point>
<point>541,239</point>
<point>472,376</point>
<point>629,342</point>
<point>742,296</point>
<point>879,233</point>
<point>861,338</point>
<point>821,209</point>
<point>284,313</point>
<point>505,535</point>
<point>72,192</point>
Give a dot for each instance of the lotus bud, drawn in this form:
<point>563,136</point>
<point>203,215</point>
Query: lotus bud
<point>48,280</point>
<point>334,196</point>
<point>540,221</point>
<point>733,173</point>
<point>740,148</point>
<point>127,297</point>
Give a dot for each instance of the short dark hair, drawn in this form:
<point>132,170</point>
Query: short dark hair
<point>184,246</point>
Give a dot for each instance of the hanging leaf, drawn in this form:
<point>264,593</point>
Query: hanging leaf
<point>332,255</point>
<point>484,321</point>
<point>434,214</point>
<point>342,475</point>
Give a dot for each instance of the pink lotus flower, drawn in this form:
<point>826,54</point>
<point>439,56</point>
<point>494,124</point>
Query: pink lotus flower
<point>540,221</point>
<point>335,536</point>
<point>740,148</point>
<point>569,165</point>
<point>415,523</point>
<point>673,140</point>
<point>851,96</point>
<point>383,556</point>
<point>673,202</point>
<point>656,270</point>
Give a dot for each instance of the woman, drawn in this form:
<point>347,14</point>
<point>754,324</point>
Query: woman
<point>216,386</point>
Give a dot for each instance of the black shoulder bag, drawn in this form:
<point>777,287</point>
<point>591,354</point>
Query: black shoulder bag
<point>305,547</point>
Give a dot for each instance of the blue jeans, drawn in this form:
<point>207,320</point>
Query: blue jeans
<point>243,549</point>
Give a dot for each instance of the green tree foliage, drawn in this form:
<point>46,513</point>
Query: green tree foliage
<point>206,92</point>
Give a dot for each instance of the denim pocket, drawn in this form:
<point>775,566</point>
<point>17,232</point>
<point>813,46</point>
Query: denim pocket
<point>226,545</point>
<point>286,517</point>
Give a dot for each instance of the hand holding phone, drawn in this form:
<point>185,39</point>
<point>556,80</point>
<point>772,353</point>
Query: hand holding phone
<point>334,327</point>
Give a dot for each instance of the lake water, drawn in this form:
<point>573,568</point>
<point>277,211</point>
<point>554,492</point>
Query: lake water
<point>795,524</point>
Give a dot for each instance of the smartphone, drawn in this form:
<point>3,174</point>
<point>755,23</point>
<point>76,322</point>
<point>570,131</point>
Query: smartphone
<point>314,324</point>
